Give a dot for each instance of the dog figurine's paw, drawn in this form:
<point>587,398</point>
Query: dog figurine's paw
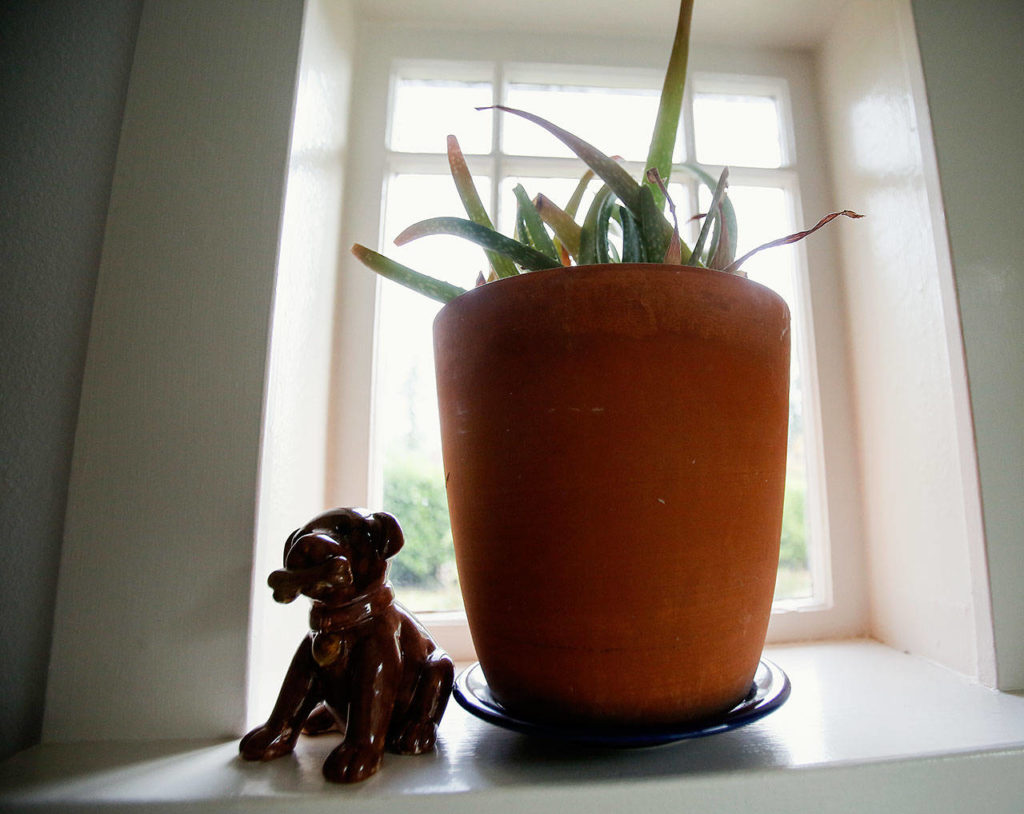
<point>266,743</point>
<point>321,721</point>
<point>350,764</point>
<point>414,738</point>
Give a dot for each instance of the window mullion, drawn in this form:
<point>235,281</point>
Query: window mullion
<point>425,163</point>
<point>496,168</point>
<point>689,146</point>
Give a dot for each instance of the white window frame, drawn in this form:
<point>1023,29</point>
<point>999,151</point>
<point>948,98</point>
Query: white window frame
<point>839,608</point>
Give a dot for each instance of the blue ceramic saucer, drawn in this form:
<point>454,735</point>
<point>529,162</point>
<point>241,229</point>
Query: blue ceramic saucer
<point>768,692</point>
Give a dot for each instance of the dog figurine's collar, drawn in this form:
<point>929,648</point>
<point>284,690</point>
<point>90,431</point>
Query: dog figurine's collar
<point>328,623</point>
<point>327,619</point>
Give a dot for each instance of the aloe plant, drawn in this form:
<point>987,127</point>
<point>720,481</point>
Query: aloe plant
<point>637,208</point>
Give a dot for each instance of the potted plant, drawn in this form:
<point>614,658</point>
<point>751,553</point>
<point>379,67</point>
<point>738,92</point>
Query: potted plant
<point>614,422</point>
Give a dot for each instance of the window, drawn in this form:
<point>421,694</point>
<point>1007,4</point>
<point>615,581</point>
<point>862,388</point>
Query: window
<point>736,122</point>
<point>417,99</point>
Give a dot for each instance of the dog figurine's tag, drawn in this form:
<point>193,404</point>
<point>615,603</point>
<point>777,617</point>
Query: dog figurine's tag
<point>367,668</point>
<point>327,647</point>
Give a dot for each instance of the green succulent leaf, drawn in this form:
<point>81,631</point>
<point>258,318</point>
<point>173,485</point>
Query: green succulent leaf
<point>561,222</point>
<point>420,283</point>
<point>503,267</point>
<point>724,245</point>
<point>520,253</point>
<point>607,168</point>
<point>713,213</point>
<point>519,230</point>
<point>632,244</point>
<point>572,207</point>
<point>465,186</point>
<point>655,231</point>
<point>728,215</point>
<point>534,224</point>
<point>674,253</point>
<point>594,233</point>
<point>663,139</point>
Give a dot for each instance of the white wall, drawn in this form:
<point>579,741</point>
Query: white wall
<point>168,436</point>
<point>296,445</point>
<point>971,54</point>
<point>919,520</point>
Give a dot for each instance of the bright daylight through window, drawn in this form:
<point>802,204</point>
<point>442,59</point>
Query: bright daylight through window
<point>726,122</point>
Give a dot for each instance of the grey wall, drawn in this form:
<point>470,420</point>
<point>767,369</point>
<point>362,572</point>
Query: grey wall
<point>973,64</point>
<point>63,77</point>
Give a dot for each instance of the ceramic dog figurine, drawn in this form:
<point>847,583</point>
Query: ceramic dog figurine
<point>366,668</point>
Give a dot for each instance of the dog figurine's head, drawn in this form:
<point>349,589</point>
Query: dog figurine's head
<point>337,556</point>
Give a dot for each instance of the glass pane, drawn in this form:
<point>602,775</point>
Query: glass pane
<point>407,440</point>
<point>738,131</point>
<point>407,437</point>
<point>619,122</point>
<point>763,214</point>
<point>426,111</point>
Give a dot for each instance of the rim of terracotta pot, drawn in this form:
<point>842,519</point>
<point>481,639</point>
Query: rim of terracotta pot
<point>712,275</point>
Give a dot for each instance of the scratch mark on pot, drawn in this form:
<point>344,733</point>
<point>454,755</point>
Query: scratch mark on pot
<point>597,409</point>
<point>661,500</point>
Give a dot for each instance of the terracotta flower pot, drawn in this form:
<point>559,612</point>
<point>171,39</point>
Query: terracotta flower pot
<point>614,442</point>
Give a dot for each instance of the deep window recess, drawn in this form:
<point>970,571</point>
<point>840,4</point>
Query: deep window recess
<point>741,122</point>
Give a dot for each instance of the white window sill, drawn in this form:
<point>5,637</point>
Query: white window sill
<point>866,729</point>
